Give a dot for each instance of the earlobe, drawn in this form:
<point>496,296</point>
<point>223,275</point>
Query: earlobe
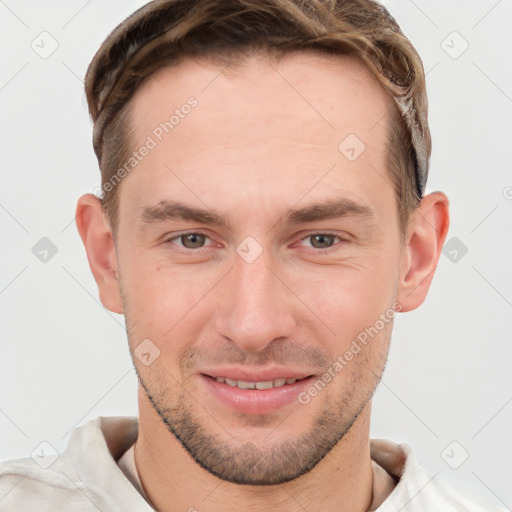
<point>98,241</point>
<point>425,237</point>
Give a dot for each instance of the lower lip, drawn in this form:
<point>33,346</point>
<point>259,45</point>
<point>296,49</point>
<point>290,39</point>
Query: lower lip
<point>256,401</point>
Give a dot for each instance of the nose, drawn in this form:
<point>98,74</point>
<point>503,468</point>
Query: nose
<point>255,306</point>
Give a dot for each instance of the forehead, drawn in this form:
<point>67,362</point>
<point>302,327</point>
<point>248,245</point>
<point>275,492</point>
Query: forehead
<point>335,92</point>
<point>268,125</point>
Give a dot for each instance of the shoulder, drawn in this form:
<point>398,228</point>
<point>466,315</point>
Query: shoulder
<point>24,485</point>
<point>85,477</point>
<point>420,491</point>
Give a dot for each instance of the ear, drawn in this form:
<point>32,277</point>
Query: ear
<point>425,237</point>
<point>98,241</point>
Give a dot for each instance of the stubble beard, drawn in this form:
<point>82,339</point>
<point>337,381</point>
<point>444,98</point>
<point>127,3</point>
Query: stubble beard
<point>243,462</point>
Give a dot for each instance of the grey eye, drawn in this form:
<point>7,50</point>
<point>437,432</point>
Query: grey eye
<point>322,241</point>
<point>192,240</point>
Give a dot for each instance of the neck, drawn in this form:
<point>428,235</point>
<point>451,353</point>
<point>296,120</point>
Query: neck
<point>173,481</point>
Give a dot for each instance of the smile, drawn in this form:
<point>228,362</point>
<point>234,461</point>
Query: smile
<point>262,390</point>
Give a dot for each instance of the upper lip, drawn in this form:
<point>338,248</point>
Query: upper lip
<point>253,375</point>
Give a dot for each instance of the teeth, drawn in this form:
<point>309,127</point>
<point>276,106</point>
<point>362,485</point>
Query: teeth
<point>246,385</point>
<point>268,384</point>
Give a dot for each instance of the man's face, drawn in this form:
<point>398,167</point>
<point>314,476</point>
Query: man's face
<point>252,249</point>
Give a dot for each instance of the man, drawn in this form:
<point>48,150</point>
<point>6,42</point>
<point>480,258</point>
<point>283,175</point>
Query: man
<point>262,219</point>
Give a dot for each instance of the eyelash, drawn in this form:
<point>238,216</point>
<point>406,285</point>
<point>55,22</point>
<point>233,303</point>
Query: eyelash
<point>326,250</point>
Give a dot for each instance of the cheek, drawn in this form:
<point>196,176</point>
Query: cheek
<point>348,298</point>
<point>163,301</point>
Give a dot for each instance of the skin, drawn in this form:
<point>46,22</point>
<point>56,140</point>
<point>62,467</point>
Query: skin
<point>263,140</point>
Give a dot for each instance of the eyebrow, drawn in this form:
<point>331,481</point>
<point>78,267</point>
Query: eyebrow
<point>173,210</point>
<point>327,210</point>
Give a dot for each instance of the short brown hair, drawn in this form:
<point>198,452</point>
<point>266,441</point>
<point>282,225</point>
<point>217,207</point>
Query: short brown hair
<point>163,32</point>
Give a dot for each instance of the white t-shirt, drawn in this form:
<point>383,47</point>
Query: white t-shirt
<point>97,472</point>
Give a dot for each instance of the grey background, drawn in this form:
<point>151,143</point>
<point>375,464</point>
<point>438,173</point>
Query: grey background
<point>64,357</point>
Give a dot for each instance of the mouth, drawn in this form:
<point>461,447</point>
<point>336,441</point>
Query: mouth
<point>251,393</point>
